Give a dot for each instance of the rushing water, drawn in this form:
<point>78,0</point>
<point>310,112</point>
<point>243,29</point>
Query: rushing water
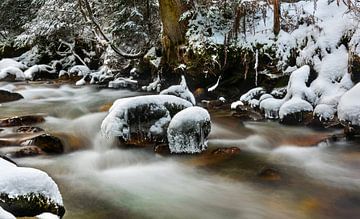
<point>99,180</point>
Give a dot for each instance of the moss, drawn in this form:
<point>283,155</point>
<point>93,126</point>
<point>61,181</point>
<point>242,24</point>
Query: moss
<point>30,205</point>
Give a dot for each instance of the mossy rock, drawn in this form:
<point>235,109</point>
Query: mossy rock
<point>30,205</point>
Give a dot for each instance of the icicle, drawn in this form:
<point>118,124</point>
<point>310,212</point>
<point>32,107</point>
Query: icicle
<point>256,67</point>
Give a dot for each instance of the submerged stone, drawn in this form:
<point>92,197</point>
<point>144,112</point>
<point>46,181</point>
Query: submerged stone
<point>6,96</point>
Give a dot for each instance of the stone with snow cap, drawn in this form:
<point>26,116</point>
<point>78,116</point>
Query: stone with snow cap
<point>181,91</point>
<point>142,119</point>
<point>188,131</point>
<point>28,191</point>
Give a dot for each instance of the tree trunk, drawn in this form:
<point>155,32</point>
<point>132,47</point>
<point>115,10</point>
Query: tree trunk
<point>276,16</point>
<point>173,35</point>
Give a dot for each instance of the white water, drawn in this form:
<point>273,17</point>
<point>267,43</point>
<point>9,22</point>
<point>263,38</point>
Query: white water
<point>100,180</point>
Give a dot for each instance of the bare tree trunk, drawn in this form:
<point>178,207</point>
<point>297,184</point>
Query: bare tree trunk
<point>173,35</point>
<point>276,16</point>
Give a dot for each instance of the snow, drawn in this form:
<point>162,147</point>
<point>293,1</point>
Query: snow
<point>80,70</point>
<point>19,74</point>
<point>32,72</point>
<point>271,107</point>
<point>21,181</point>
<point>212,88</point>
<point>155,85</point>
<point>188,130</point>
<point>122,82</point>
<point>294,105</point>
<point>81,82</point>
<point>235,104</point>
<point>251,94</point>
<point>6,215</point>
<point>349,106</point>
<point>116,122</point>
<point>5,63</point>
<point>181,91</point>
<point>47,216</point>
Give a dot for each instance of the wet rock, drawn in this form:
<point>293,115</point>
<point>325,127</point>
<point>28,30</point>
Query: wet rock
<point>188,131</point>
<point>29,130</point>
<point>142,120</point>
<point>321,123</point>
<point>27,151</point>
<point>21,121</point>
<point>270,174</point>
<point>212,104</point>
<point>162,149</point>
<point>249,115</point>
<point>47,143</point>
<point>6,96</point>
<point>227,151</point>
<point>297,118</point>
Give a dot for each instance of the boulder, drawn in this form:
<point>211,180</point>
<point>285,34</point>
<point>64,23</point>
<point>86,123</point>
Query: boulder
<point>181,91</point>
<point>12,74</point>
<point>40,72</point>
<point>348,111</point>
<point>7,96</point>
<point>21,121</point>
<point>143,119</point>
<point>188,131</point>
<point>47,143</point>
<point>28,192</point>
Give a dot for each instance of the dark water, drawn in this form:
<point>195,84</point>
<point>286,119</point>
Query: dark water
<point>99,180</point>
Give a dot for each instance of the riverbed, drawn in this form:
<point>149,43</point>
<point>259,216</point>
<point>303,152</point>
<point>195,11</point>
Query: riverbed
<point>281,171</point>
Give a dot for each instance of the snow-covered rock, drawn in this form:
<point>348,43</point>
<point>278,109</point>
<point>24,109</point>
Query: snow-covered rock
<point>6,215</point>
<point>79,70</point>
<point>254,93</point>
<point>27,191</point>
<point>6,63</point>
<point>181,91</point>
<point>143,118</point>
<point>40,72</point>
<point>349,107</point>
<point>12,74</point>
<point>188,131</point>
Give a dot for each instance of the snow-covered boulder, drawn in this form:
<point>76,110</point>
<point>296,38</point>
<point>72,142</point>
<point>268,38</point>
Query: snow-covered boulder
<point>298,98</point>
<point>6,215</point>
<point>40,72</point>
<point>349,109</point>
<point>252,94</point>
<point>11,74</point>
<point>142,119</point>
<point>28,191</point>
<point>79,70</point>
<point>181,91</point>
<point>6,63</point>
<point>188,131</point>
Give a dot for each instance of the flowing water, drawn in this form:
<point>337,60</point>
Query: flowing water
<point>100,180</point>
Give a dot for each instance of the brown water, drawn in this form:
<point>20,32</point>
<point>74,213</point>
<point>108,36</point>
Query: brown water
<point>99,180</point>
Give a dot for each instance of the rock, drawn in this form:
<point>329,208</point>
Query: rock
<point>355,69</point>
<point>29,130</point>
<point>270,174</point>
<point>181,91</point>
<point>28,192</point>
<point>40,72</point>
<point>21,121</point>
<point>297,118</point>
<point>188,131</point>
<point>227,151</point>
<point>348,111</point>
<point>11,74</point>
<point>6,96</point>
<point>27,151</point>
<point>47,143</point>
<point>212,104</point>
<point>251,115</point>
<point>144,119</point>
<point>162,149</point>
